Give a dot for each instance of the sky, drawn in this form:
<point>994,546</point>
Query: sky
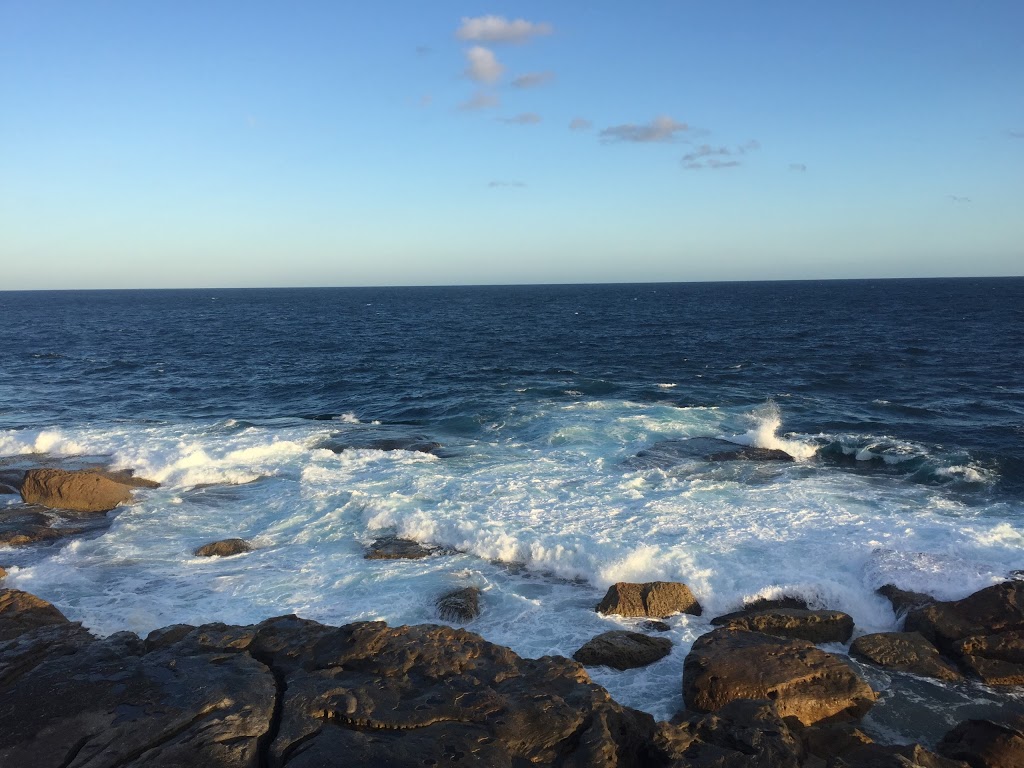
<point>333,143</point>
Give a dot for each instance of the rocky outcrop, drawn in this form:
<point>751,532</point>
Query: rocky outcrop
<point>667,454</point>
<point>80,491</point>
<point>803,681</point>
<point>128,477</point>
<point>814,626</point>
<point>654,600</point>
<point>460,605</point>
<point>995,659</point>
<point>752,453</point>
<point>224,548</point>
<point>768,603</point>
<point>986,743</point>
<point>21,612</point>
<point>623,650</point>
<point>415,444</point>
<point>655,626</point>
<point>904,652</point>
<point>393,548</point>
<point>24,525</point>
<point>903,601</point>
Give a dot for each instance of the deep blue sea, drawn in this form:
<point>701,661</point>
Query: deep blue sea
<point>902,401</point>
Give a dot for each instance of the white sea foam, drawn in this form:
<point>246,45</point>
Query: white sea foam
<point>767,420</point>
<point>545,514</point>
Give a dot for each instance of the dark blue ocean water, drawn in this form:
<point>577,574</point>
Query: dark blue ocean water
<point>938,362</point>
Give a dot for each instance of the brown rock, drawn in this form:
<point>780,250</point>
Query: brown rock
<point>460,605</point>
<point>655,626</point>
<point>80,491</point>
<point>128,477</point>
<point>996,659</point>
<point>392,548</point>
<point>654,599</point>
<point>904,652</point>
<point>3,572</point>
<point>21,612</point>
<point>766,603</point>
<point>831,740</point>
<point>623,650</point>
<point>995,609</point>
<point>803,681</point>
<point>893,756</point>
<point>903,600</point>
<point>986,744</point>
<point>814,626</point>
<point>224,548</point>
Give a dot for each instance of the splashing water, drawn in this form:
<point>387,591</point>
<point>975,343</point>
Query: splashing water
<point>766,420</point>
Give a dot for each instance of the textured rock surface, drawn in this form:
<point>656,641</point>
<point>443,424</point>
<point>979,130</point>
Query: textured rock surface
<point>21,612</point>
<point>986,744</point>
<point>392,548</point>
<point>996,659</point>
<point>460,605</point>
<point>903,600</point>
<point>904,652</point>
<point>803,681</point>
<point>813,626</point>
<point>623,650</point>
<point>752,453</point>
<point>224,548</point>
<point>653,599</point>
<point>81,491</point>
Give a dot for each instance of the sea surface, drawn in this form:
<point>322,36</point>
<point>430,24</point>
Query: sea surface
<point>902,401</point>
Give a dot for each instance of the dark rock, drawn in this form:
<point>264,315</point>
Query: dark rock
<point>995,609</point>
<point>903,600</point>
<point>392,548</point>
<point>81,491</point>
<point>129,478</point>
<point>803,681</point>
<point>460,605</point>
<point>224,548</point>
<point>668,454</point>
<point>6,490</point>
<point>366,443</point>
<point>623,650</point>
<point>996,659</point>
<point>743,734</point>
<point>828,741</point>
<point>20,526</point>
<point>893,756</point>
<point>653,599</point>
<point>986,744</point>
<point>21,612</point>
<point>768,603</point>
<point>655,626</point>
<point>904,652</point>
<point>752,453</point>
<point>814,626</point>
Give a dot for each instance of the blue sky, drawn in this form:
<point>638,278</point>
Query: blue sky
<point>333,143</point>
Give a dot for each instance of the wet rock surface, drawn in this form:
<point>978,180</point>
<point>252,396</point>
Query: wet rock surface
<point>803,681</point>
<point>79,490</point>
<point>986,743</point>
<point>813,626</point>
<point>224,548</point>
<point>653,599</point>
<point>460,605</point>
<point>623,650</point>
<point>904,652</point>
<point>393,548</point>
<point>668,454</point>
<point>904,601</point>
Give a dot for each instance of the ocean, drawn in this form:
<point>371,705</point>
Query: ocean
<point>264,414</point>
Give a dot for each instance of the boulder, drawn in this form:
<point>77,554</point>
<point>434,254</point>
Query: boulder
<point>460,605</point>
<point>767,603</point>
<point>655,626</point>
<point>744,733</point>
<point>81,491</point>
<point>814,626</point>
<point>623,650</point>
<point>3,573</point>
<point>904,600</point>
<point>653,599</point>
<point>392,548</point>
<point>992,610</point>
<point>904,652</point>
<point>224,548</point>
<point>415,444</point>
<point>986,743</point>
<point>995,659</point>
<point>803,681</point>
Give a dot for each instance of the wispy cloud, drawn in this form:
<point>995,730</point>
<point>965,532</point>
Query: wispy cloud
<point>498,29</point>
<point>483,65</point>
<point>480,100</point>
<point>424,50</point>
<point>661,129</point>
<point>717,158</point>
<point>526,118</point>
<point>1016,134</point>
<point>958,199</point>
<point>498,184</point>
<point>798,167</point>
<point>533,79</point>
<point>580,124</point>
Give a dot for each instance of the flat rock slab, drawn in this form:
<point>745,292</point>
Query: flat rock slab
<point>392,548</point>
<point>904,652</point>
<point>986,743</point>
<point>623,650</point>
<point>224,548</point>
<point>813,626</point>
<point>460,605</point>
<point>653,600</point>
<point>81,491</point>
<point>803,681</point>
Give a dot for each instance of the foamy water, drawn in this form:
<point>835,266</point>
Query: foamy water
<point>544,512</point>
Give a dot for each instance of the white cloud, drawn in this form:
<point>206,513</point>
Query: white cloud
<point>484,66</point>
<point>526,118</point>
<point>533,79</point>
<point>580,124</point>
<point>498,29</point>
<point>660,129</point>
<point>480,100</point>
<point>707,156</point>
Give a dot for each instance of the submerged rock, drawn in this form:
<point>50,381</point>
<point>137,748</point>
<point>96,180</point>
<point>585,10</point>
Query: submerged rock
<point>655,626</point>
<point>623,650</point>
<point>366,443</point>
<point>20,526</point>
<point>904,652</point>
<point>986,743</point>
<point>460,605</point>
<point>667,454</point>
<point>224,548</point>
<point>393,548</point>
<point>814,626</point>
<point>803,681</point>
<point>81,491</point>
<point>653,599</point>
<point>752,453</point>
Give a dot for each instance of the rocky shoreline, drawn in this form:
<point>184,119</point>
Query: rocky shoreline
<point>758,690</point>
